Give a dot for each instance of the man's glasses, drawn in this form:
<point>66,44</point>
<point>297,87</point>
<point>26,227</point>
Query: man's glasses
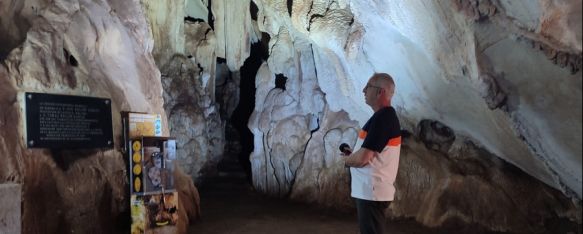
<point>371,86</point>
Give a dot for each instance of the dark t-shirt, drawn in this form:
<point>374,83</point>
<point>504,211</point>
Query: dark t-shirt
<point>381,128</point>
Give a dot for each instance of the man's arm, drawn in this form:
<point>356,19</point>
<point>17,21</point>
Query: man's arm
<point>360,158</point>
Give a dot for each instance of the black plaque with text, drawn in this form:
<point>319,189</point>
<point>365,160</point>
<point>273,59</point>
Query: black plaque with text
<point>68,122</point>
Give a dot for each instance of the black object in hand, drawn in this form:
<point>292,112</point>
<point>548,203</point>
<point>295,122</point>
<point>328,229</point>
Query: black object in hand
<point>344,148</point>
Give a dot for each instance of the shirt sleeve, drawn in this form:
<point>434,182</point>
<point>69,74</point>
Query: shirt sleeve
<point>383,126</point>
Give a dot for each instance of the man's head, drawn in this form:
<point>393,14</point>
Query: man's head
<point>379,90</point>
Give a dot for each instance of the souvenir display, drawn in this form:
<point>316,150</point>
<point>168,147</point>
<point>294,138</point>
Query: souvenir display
<point>151,158</point>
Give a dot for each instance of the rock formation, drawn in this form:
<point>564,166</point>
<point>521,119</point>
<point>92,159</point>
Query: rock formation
<point>87,48</point>
<point>488,94</point>
<point>469,72</point>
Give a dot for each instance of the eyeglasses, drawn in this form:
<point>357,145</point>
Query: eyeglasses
<point>371,86</point>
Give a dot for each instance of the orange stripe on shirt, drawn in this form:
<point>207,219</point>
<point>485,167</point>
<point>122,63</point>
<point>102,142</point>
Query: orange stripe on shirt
<point>394,141</point>
<point>362,134</point>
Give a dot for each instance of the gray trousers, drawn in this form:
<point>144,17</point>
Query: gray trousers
<point>371,216</point>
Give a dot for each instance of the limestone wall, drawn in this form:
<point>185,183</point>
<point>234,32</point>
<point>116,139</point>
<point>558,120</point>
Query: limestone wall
<point>85,48</point>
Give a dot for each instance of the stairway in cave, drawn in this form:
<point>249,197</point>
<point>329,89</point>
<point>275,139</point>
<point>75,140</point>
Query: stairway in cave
<point>231,176</point>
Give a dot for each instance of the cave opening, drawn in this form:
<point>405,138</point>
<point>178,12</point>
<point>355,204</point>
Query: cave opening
<point>280,81</point>
<point>242,135</point>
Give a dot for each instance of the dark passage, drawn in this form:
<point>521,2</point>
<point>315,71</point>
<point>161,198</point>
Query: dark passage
<point>241,114</point>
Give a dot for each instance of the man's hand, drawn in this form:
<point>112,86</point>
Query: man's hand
<point>360,158</point>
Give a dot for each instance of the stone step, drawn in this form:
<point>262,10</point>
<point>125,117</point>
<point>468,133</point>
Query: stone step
<point>230,167</point>
<point>232,174</point>
<point>229,182</point>
<point>227,178</point>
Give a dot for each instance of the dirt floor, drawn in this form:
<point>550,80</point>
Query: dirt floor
<point>231,206</point>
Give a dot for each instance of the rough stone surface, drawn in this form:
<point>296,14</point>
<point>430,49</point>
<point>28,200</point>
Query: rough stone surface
<point>193,121</point>
<point>235,31</point>
<point>166,25</point>
<point>184,49</point>
<point>10,201</point>
<point>439,189</point>
<point>188,201</point>
<point>14,24</point>
<point>455,64</point>
<point>435,135</point>
<point>491,89</point>
<point>87,48</point>
<point>322,177</point>
<point>285,117</point>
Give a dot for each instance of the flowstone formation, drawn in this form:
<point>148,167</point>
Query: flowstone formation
<point>185,49</point>
<point>488,94</point>
<point>496,87</point>
<point>86,48</point>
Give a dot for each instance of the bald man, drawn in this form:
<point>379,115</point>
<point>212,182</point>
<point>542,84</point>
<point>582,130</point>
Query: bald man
<point>373,166</point>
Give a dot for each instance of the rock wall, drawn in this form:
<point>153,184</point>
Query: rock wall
<point>184,49</point>
<point>87,48</point>
<point>489,72</point>
<point>452,182</point>
<point>10,217</point>
<point>490,90</point>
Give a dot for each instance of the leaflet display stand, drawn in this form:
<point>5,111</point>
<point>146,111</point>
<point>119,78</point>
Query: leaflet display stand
<point>153,197</point>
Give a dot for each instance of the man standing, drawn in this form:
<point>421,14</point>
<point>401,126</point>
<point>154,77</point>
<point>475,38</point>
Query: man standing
<point>373,167</point>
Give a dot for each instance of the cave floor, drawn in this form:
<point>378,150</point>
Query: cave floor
<point>230,205</point>
<point>241,210</point>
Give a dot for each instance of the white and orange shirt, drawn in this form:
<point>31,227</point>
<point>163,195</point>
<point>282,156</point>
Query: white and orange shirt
<point>381,133</point>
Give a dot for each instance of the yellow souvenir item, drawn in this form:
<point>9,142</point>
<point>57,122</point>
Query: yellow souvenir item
<point>137,146</point>
<point>137,184</point>
<point>137,157</point>
<point>137,169</point>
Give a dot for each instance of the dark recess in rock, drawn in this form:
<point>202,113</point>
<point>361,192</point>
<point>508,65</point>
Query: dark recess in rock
<point>70,58</point>
<point>193,20</point>
<point>494,95</point>
<point>265,38</point>
<point>254,10</point>
<point>290,4</point>
<point>317,128</point>
<point>406,133</point>
<point>211,17</point>
<point>312,18</point>
<point>435,135</point>
<point>200,68</point>
<point>280,81</point>
<point>243,111</point>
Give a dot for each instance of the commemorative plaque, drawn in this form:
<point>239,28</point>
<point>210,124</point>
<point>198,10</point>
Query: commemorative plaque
<point>67,122</point>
